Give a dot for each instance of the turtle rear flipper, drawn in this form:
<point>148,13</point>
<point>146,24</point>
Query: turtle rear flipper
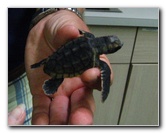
<point>105,79</point>
<point>50,86</point>
<point>39,63</point>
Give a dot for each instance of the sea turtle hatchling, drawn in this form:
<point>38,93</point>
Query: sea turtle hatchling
<point>76,56</point>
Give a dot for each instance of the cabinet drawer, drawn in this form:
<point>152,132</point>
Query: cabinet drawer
<point>141,106</point>
<point>146,48</point>
<point>125,34</point>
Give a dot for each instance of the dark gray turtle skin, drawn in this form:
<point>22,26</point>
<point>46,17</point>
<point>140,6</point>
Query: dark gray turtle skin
<point>76,56</point>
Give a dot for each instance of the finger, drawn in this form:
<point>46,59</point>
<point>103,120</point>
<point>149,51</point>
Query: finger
<point>61,35</point>
<point>40,115</point>
<point>103,57</point>
<point>17,116</point>
<point>82,107</point>
<point>60,106</point>
<point>56,23</point>
<point>92,77</point>
<point>65,34</point>
<point>59,110</point>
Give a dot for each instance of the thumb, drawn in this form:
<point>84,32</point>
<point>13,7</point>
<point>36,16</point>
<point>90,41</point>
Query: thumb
<point>63,35</point>
<point>17,115</point>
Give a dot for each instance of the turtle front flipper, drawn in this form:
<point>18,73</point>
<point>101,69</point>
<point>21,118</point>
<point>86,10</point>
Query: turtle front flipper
<point>105,79</point>
<point>50,86</point>
<point>86,34</point>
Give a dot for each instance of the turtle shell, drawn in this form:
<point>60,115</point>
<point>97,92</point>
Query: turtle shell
<point>71,59</point>
<point>75,57</point>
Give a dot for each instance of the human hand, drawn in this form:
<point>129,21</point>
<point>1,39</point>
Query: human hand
<point>17,115</point>
<point>73,103</point>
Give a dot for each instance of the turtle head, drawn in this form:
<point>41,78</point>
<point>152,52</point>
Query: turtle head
<point>113,43</point>
<point>107,44</point>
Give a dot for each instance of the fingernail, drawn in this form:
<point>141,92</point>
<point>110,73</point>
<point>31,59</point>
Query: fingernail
<point>16,113</point>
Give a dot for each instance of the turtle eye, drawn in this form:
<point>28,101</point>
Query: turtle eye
<point>113,38</point>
